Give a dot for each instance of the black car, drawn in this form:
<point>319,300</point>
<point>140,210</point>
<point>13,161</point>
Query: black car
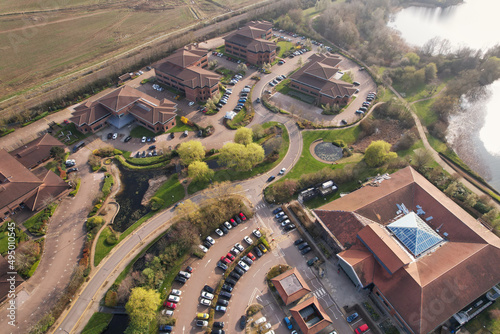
<point>238,219</point>
<point>152,147</point>
<point>227,287</point>
<point>110,135</point>
<point>143,154</point>
<point>303,245</point>
<point>207,244</point>
<point>224,229</point>
<point>218,331</point>
<point>127,139</point>
<point>271,178</point>
<point>235,275</point>
<point>221,266</point>
<point>243,322</point>
<point>138,155</point>
<point>225,294</point>
<point>180,279</point>
<point>153,139</point>
<point>239,271</point>
<point>223,302</point>
<point>298,241</point>
<point>208,289</point>
<point>305,250</point>
<point>172,135</point>
<point>230,281</point>
<point>257,251</point>
<point>247,260</point>
<point>71,170</point>
<point>290,227</point>
<point>218,324</point>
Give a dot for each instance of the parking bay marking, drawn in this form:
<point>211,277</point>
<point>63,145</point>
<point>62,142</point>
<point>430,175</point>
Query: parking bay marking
<point>208,263</point>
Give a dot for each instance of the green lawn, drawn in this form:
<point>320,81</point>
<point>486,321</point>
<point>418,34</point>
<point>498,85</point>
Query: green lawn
<point>347,77</point>
<point>307,163</point>
<point>180,127</point>
<point>484,323</point>
<point>171,192</point>
<point>237,121</point>
<point>232,175</point>
<point>284,47</point>
<point>139,132</point>
<point>97,323</point>
<point>75,134</point>
<point>226,74</point>
<point>283,87</point>
<point>424,113</point>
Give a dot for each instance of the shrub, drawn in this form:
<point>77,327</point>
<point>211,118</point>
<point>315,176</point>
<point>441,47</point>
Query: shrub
<point>111,299</point>
<point>117,152</point>
<point>156,203</point>
<point>112,239</point>
<point>253,309</point>
<point>93,222</point>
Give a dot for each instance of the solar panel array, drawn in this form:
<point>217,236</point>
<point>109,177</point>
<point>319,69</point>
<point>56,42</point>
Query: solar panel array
<point>417,237</point>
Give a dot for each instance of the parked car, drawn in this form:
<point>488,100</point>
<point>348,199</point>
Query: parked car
<point>225,260</point>
<point>225,294</point>
<point>257,251</point>
<point>218,324</point>
<point>207,295</point>
<point>203,248</point>
<point>230,281</point>
<point>238,219</point>
<point>263,248</point>
<point>165,328</point>
<point>110,135</point>
<point>221,266</point>
<point>235,250</point>
<point>243,265</point>
<point>251,256</point>
<point>261,320</point>
<point>288,323</point>
<point>247,260</point>
<point>208,289</point>
<point>176,292</point>
<point>180,279</point>
<point>355,83</point>
<point>210,240</point>
<point>230,256</point>
<point>248,240</point>
<point>189,269</point>
<point>312,261</point>
<point>243,322</point>
<point>239,247</point>
<point>234,275</point>
<point>220,308</point>
<point>227,225</point>
<point>282,218</point>
<point>143,140</point>
<point>170,305</point>
<point>71,170</point>
<point>205,302</point>
<point>277,210</point>
<point>173,298</point>
<point>185,274</point>
<point>257,233</point>
<point>298,241</point>
<point>361,329</point>
<point>191,103</point>
<point>207,244</point>
<point>219,232</point>
<point>201,323</point>
<point>305,250</point>
<point>279,214</point>
<point>224,229</point>
<point>167,313</point>
<point>217,331</point>
<point>203,316</point>
<point>290,227</point>
<point>352,317</point>
<point>227,287</point>
<point>233,222</point>
<point>285,222</point>
<point>242,216</point>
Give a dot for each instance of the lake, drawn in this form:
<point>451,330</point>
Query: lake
<point>473,133</point>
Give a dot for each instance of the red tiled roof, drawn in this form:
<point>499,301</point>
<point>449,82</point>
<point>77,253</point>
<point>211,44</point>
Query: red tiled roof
<point>126,99</point>
<point>344,225</point>
<point>429,289</point>
<point>36,151</point>
<point>290,286</point>
<point>300,310</point>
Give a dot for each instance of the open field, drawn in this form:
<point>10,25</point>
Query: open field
<point>41,41</point>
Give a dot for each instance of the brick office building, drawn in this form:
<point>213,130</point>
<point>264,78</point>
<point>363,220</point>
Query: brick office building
<point>316,79</point>
<point>251,43</point>
<point>122,107</point>
<point>185,71</point>
<point>426,261</point>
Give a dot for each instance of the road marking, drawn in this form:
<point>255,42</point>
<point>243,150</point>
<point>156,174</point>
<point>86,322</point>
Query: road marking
<point>255,292</point>
<point>208,263</point>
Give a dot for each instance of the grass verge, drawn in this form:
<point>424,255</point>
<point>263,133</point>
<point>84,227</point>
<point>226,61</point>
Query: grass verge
<point>180,127</point>
<point>97,323</point>
<point>139,132</point>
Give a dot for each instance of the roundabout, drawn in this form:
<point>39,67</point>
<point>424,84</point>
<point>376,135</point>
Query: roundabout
<point>326,152</point>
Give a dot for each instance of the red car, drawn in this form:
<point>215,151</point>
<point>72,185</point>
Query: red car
<point>251,256</point>
<point>225,260</point>
<point>242,216</point>
<point>170,305</point>
<point>361,329</point>
<point>230,256</point>
<point>232,222</point>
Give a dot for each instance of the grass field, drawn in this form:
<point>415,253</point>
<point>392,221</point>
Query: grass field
<point>54,40</point>
<point>97,323</point>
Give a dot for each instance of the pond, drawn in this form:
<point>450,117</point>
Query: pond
<point>134,186</point>
<point>118,324</point>
<point>328,151</point>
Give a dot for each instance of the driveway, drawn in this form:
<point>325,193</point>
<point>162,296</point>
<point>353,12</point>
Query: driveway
<point>63,248</point>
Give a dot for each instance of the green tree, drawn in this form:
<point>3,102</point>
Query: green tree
<point>490,71</point>
<point>241,157</point>
<point>141,308</point>
<point>378,152</point>
<point>243,136</point>
<point>413,58</point>
<point>430,72</point>
<point>255,153</point>
<point>242,68</point>
<point>191,151</point>
<point>57,152</point>
<point>199,171</point>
